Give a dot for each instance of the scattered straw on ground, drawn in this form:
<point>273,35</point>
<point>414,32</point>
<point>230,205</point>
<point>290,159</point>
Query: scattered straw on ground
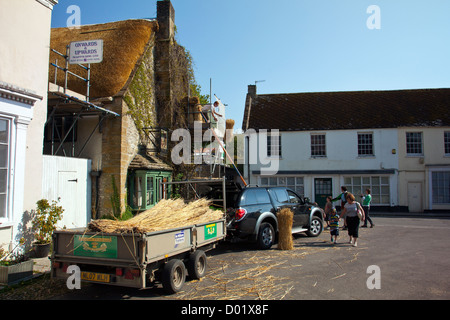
<point>166,214</point>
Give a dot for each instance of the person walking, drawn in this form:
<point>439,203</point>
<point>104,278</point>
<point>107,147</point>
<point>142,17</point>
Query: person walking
<point>342,197</point>
<point>327,210</point>
<point>366,199</point>
<point>334,225</point>
<point>351,212</point>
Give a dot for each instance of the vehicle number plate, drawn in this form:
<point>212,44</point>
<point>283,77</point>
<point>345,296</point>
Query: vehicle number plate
<point>97,277</point>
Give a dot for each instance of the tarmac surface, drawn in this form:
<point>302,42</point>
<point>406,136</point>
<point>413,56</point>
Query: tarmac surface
<point>409,248</point>
<point>42,265</point>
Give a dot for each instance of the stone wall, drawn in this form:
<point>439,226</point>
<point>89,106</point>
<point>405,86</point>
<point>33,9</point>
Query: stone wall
<point>152,99</point>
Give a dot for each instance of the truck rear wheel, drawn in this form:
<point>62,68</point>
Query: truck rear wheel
<point>197,264</point>
<point>266,236</point>
<point>173,276</point>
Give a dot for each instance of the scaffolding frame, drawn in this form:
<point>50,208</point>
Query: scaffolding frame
<point>70,105</point>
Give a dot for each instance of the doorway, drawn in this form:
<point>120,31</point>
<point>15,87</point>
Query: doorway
<point>322,189</point>
<point>415,197</point>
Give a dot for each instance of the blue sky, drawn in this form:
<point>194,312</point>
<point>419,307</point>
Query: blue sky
<point>297,45</point>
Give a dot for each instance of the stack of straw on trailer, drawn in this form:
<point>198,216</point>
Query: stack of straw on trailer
<point>166,214</point>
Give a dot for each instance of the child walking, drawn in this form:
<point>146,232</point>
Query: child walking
<point>334,225</point>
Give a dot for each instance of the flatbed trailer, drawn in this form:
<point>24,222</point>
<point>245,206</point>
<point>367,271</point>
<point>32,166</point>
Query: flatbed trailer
<point>137,260</point>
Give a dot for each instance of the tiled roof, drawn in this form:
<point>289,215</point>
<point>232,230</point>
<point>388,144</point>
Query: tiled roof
<point>148,162</point>
<point>350,110</point>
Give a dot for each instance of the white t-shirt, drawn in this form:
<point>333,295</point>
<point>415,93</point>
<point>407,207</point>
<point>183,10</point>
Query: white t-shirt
<point>352,209</point>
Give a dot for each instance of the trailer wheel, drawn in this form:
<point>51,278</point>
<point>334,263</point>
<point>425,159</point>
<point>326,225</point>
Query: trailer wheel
<point>173,276</point>
<point>197,264</point>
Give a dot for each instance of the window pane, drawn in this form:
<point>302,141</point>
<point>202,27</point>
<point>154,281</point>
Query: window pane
<point>149,191</point>
<point>3,156</point>
<point>441,187</point>
<point>447,142</point>
<point>274,145</point>
<point>4,166</point>
<point>4,131</point>
<point>3,180</point>
<point>262,196</point>
<point>293,198</point>
<point>365,144</point>
<point>375,190</point>
<point>414,143</point>
<point>318,148</point>
<point>2,205</point>
<point>281,195</point>
<point>380,193</point>
<point>356,181</point>
<point>249,198</point>
<point>137,197</point>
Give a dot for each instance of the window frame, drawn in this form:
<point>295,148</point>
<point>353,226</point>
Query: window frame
<point>447,143</point>
<point>6,217</point>
<point>439,189</point>
<point>412,145</point>
<point>363,146</point>
<point>378,185</point>
<point>271,146</point>
<point>296,183</point>
<point>318,148</point>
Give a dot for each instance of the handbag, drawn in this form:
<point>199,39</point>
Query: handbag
<point>359,212</point>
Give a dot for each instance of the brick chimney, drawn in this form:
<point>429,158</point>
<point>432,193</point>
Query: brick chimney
<point>252,90</point>
<point>163,64</point>
<point>251,95</point>
<point>166,20</point>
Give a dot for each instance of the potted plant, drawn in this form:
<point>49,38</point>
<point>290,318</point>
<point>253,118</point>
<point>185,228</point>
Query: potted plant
<point>44,223</point>
<point>15,266</point>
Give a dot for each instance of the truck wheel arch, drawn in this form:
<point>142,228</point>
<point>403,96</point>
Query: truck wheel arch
<point>266,217</point>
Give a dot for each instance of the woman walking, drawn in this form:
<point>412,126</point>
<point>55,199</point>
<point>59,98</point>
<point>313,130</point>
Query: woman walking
<point>351,213</point>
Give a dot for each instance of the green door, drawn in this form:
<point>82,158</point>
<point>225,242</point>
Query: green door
<point>322,189</point>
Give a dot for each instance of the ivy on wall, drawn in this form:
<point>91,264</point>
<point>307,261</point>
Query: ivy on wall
<point>140,98</point>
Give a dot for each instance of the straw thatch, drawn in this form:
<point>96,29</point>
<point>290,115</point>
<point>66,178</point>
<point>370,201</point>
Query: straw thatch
<point>229,123</point>
<point>285,218</point>
<point>124,43</point>
<point>166,214</point>
<point>198,115</point>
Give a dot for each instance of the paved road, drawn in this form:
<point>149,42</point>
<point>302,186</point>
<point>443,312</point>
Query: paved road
<point>412,256</point>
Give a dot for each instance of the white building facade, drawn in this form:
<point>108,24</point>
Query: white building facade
<point>317,163</point>
<point>24,62</point>
<point>385,141</point>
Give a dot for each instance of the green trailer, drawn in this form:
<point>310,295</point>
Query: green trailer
<point>137,260</point>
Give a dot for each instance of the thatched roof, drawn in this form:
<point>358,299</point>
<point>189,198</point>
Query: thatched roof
<point>124,43</point>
